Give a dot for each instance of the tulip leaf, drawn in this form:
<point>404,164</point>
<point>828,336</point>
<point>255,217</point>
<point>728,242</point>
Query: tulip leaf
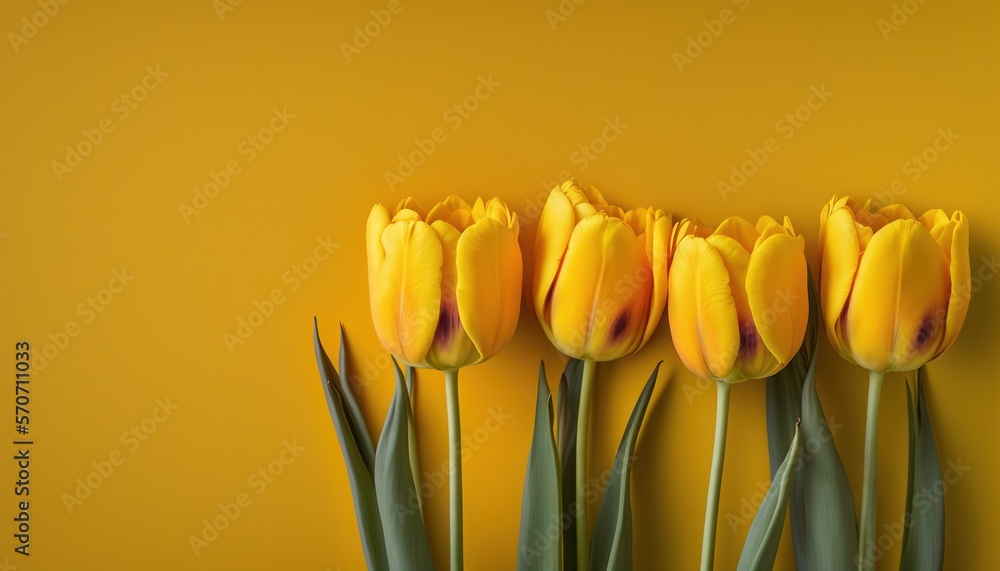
<point>762,540</point>
<point>824,525</point>
<point>923,529</point>
<point>358,474</point>
<point>354,416</point>
<point>611,547</point>
<point>570,385</point>
<point>913,424</point>
<point>822,497</point>
<point>406,544</point>
<point>784,389</point>
<point>540,510</point>
<point>412,413</point>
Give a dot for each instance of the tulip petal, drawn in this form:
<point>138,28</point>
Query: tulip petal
<point>839,263</point>
<point>823,217</point>
<point>441,211</point>
<point>701,310</point>
<point>408,290</point>
<point>378,221</point>
<point>555,226</point>
<point>489,284</point>
<point>638,219</point>
<point>479,208</point>
<point>942,229</point>
<point>405,215</point>
<point>754,358</point>
<point>497,210</point>
<point>740,230</point>
<point>768,230</point>
<point>410,203</point>
<point>457,203</point>
<point>961,284</point>
<point>658,261</point>
<point>865,234</point>
<point>583,210</point>
<point>764,222</point>
<point>600,301</point>
<point>594,196</point>
<point>777,288</point>
<point>788,225</point>
<point>460,219</point>
<point>894,212</point>
<point>686,227</point>
<point>894,319</point>
<point>610,209</point>
<point>452,347</point>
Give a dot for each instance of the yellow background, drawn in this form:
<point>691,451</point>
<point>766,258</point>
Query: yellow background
<point>163,336</point>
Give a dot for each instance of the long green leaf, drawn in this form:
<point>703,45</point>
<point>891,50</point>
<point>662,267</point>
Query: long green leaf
<point>360,478</point>
<point>913,424</point>
<point>784,411</point>
<point>570,385</point>
<point>538,545</point>
<point>784,389</point>
<point>824,526</point>
<point>924,525</point>
<point>411,389</point>
<point>762,541</point>
<point>406,544</point>
<point>611,547</point>
<point>822,497</point>
<point>354,416</point>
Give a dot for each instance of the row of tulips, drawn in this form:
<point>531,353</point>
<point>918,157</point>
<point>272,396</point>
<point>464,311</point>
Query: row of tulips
<point>445,288</point>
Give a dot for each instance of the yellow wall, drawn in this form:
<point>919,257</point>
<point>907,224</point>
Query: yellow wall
<point>216,77</point>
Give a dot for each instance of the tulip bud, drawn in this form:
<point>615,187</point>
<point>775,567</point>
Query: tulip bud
<point>738,303</point>
<point>893,288</point>
<point>600,278</point>
<point>444,288</point>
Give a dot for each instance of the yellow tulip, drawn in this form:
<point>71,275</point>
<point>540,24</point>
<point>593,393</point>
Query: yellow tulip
<point>893,288</point>
<point>894,293</point>
<point>598,289</point>
<point>444,287</point>
<point>600,279</point>
<point>738,302</point>
<point>738,306</point>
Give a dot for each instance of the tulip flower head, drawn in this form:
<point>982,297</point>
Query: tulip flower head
<point>444,286</point>
<point>893,288</point>
<point>600,279</point>
<point>738,303</point>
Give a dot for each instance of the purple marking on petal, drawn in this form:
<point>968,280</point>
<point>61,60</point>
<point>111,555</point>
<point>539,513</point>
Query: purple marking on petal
<point>924,332</point>
<point>749,338</point>
<point>621,325</point>
<point>447,325</point>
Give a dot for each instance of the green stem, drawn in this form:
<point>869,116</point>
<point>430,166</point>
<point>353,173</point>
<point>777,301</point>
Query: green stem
<point>455,460</point>
<point>583,423</point>
<point>868,493</point>
<point>715,480</point>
